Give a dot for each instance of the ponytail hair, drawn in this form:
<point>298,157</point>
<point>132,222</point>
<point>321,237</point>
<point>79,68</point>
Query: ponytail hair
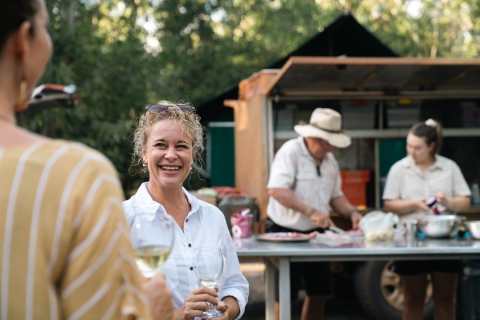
<point>431,131</point>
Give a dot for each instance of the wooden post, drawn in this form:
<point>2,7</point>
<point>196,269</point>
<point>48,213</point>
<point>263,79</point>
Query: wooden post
<point>253,138</point>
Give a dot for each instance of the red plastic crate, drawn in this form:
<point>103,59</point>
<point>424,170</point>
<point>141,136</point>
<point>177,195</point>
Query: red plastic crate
<point>354,186</point>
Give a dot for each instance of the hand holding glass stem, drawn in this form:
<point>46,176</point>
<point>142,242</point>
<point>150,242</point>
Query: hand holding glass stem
<point>208,266</point>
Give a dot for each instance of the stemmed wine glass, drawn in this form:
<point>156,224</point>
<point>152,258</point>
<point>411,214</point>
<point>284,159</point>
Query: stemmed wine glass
<point>152,238</point>
<point>208,266</point>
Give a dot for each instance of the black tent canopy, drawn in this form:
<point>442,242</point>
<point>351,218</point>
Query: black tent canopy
<point>345,36</point>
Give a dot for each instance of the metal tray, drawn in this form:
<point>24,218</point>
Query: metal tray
<point>274,237</point>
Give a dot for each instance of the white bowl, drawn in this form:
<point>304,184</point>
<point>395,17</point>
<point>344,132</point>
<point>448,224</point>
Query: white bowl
<point>474,229</point>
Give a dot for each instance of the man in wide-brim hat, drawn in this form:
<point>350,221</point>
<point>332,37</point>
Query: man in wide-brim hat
<point>304,183</point>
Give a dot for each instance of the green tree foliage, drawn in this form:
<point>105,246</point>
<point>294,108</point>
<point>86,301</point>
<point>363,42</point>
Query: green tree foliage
<point>123,55</point>
<point>422,28</point>
<point>103,54</point>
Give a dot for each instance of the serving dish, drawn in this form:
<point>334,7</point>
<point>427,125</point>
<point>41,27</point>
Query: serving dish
<point>284,237</point>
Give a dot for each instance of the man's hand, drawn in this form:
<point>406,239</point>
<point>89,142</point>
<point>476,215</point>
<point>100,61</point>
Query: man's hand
<point>160,297</point>
<point>196,303</point>
<point>321,219</point>
<point>355,217</point>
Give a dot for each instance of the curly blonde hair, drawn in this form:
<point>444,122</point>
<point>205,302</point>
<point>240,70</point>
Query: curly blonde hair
<point>146,122</point>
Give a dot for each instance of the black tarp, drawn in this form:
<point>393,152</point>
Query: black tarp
<point>345,36</point>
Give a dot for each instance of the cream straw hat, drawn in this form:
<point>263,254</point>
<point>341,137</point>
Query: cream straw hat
<point>325,124</point>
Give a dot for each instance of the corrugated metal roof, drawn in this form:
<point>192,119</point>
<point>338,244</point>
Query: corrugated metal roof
<point>317,77</point>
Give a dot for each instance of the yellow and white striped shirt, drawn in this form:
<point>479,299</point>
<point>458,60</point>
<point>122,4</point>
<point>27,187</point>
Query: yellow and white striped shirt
<point>65,251</point>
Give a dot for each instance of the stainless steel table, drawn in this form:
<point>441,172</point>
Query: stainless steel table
<point>356,250</point>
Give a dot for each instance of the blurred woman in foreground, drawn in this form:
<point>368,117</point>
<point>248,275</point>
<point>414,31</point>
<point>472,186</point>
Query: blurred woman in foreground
<point>421,174</point>
<point>64,242</point>
<point>167,140</point>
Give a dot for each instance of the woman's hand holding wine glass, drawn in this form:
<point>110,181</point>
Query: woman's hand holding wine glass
<point>196,303</point>
<point>208,266</point>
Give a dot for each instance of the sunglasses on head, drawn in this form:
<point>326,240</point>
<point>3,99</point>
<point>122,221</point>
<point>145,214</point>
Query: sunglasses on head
<point>160,108</point>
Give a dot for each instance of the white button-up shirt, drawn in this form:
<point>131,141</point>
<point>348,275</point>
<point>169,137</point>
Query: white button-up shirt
<point>294,168</point>
<point>407,181</point>
<point>204,226</point>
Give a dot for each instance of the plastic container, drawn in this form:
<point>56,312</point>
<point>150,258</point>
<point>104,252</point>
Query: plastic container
<point>204,197</point>
<point>354,186</point>
<point>242,223</point>
<point>224,191</point>
<point>233,203</point>
<point>411,229</point>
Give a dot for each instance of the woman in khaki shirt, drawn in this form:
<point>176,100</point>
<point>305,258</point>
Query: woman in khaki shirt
<point>421,174</point>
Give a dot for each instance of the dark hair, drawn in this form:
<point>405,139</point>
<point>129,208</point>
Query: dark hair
<point>431,132</point>
<point>13,13</point>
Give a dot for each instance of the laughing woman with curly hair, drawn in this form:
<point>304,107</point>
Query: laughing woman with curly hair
<point>167,140</point>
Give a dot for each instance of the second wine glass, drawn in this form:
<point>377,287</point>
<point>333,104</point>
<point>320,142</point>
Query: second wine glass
<point>152,238</point>
<point>208,266</point>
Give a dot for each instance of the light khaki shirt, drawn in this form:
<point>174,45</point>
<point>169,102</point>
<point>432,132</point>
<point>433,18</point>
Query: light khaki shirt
<point>407,181</point>
<point>294,168</point>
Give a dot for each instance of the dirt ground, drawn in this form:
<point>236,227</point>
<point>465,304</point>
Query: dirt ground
<point>338,308</point>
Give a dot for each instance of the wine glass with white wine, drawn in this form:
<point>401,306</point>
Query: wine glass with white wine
<point>208,266</point>
<point>152,238</point>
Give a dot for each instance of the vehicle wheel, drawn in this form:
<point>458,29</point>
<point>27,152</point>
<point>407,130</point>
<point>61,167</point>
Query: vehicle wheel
<point>379,291</point>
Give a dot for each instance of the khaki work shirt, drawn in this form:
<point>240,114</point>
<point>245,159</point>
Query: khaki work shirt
<point>407,181</point>
<point>294,168</point>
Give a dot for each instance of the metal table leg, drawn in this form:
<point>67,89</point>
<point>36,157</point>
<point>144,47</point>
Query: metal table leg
<point>269,289</point>
<point>284,283</point>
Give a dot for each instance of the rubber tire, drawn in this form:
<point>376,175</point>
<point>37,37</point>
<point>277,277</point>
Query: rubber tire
<point>369,296</point>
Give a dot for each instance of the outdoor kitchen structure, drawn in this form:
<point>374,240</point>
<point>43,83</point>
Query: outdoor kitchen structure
<point>343,37</point>
<point>379,99</point>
